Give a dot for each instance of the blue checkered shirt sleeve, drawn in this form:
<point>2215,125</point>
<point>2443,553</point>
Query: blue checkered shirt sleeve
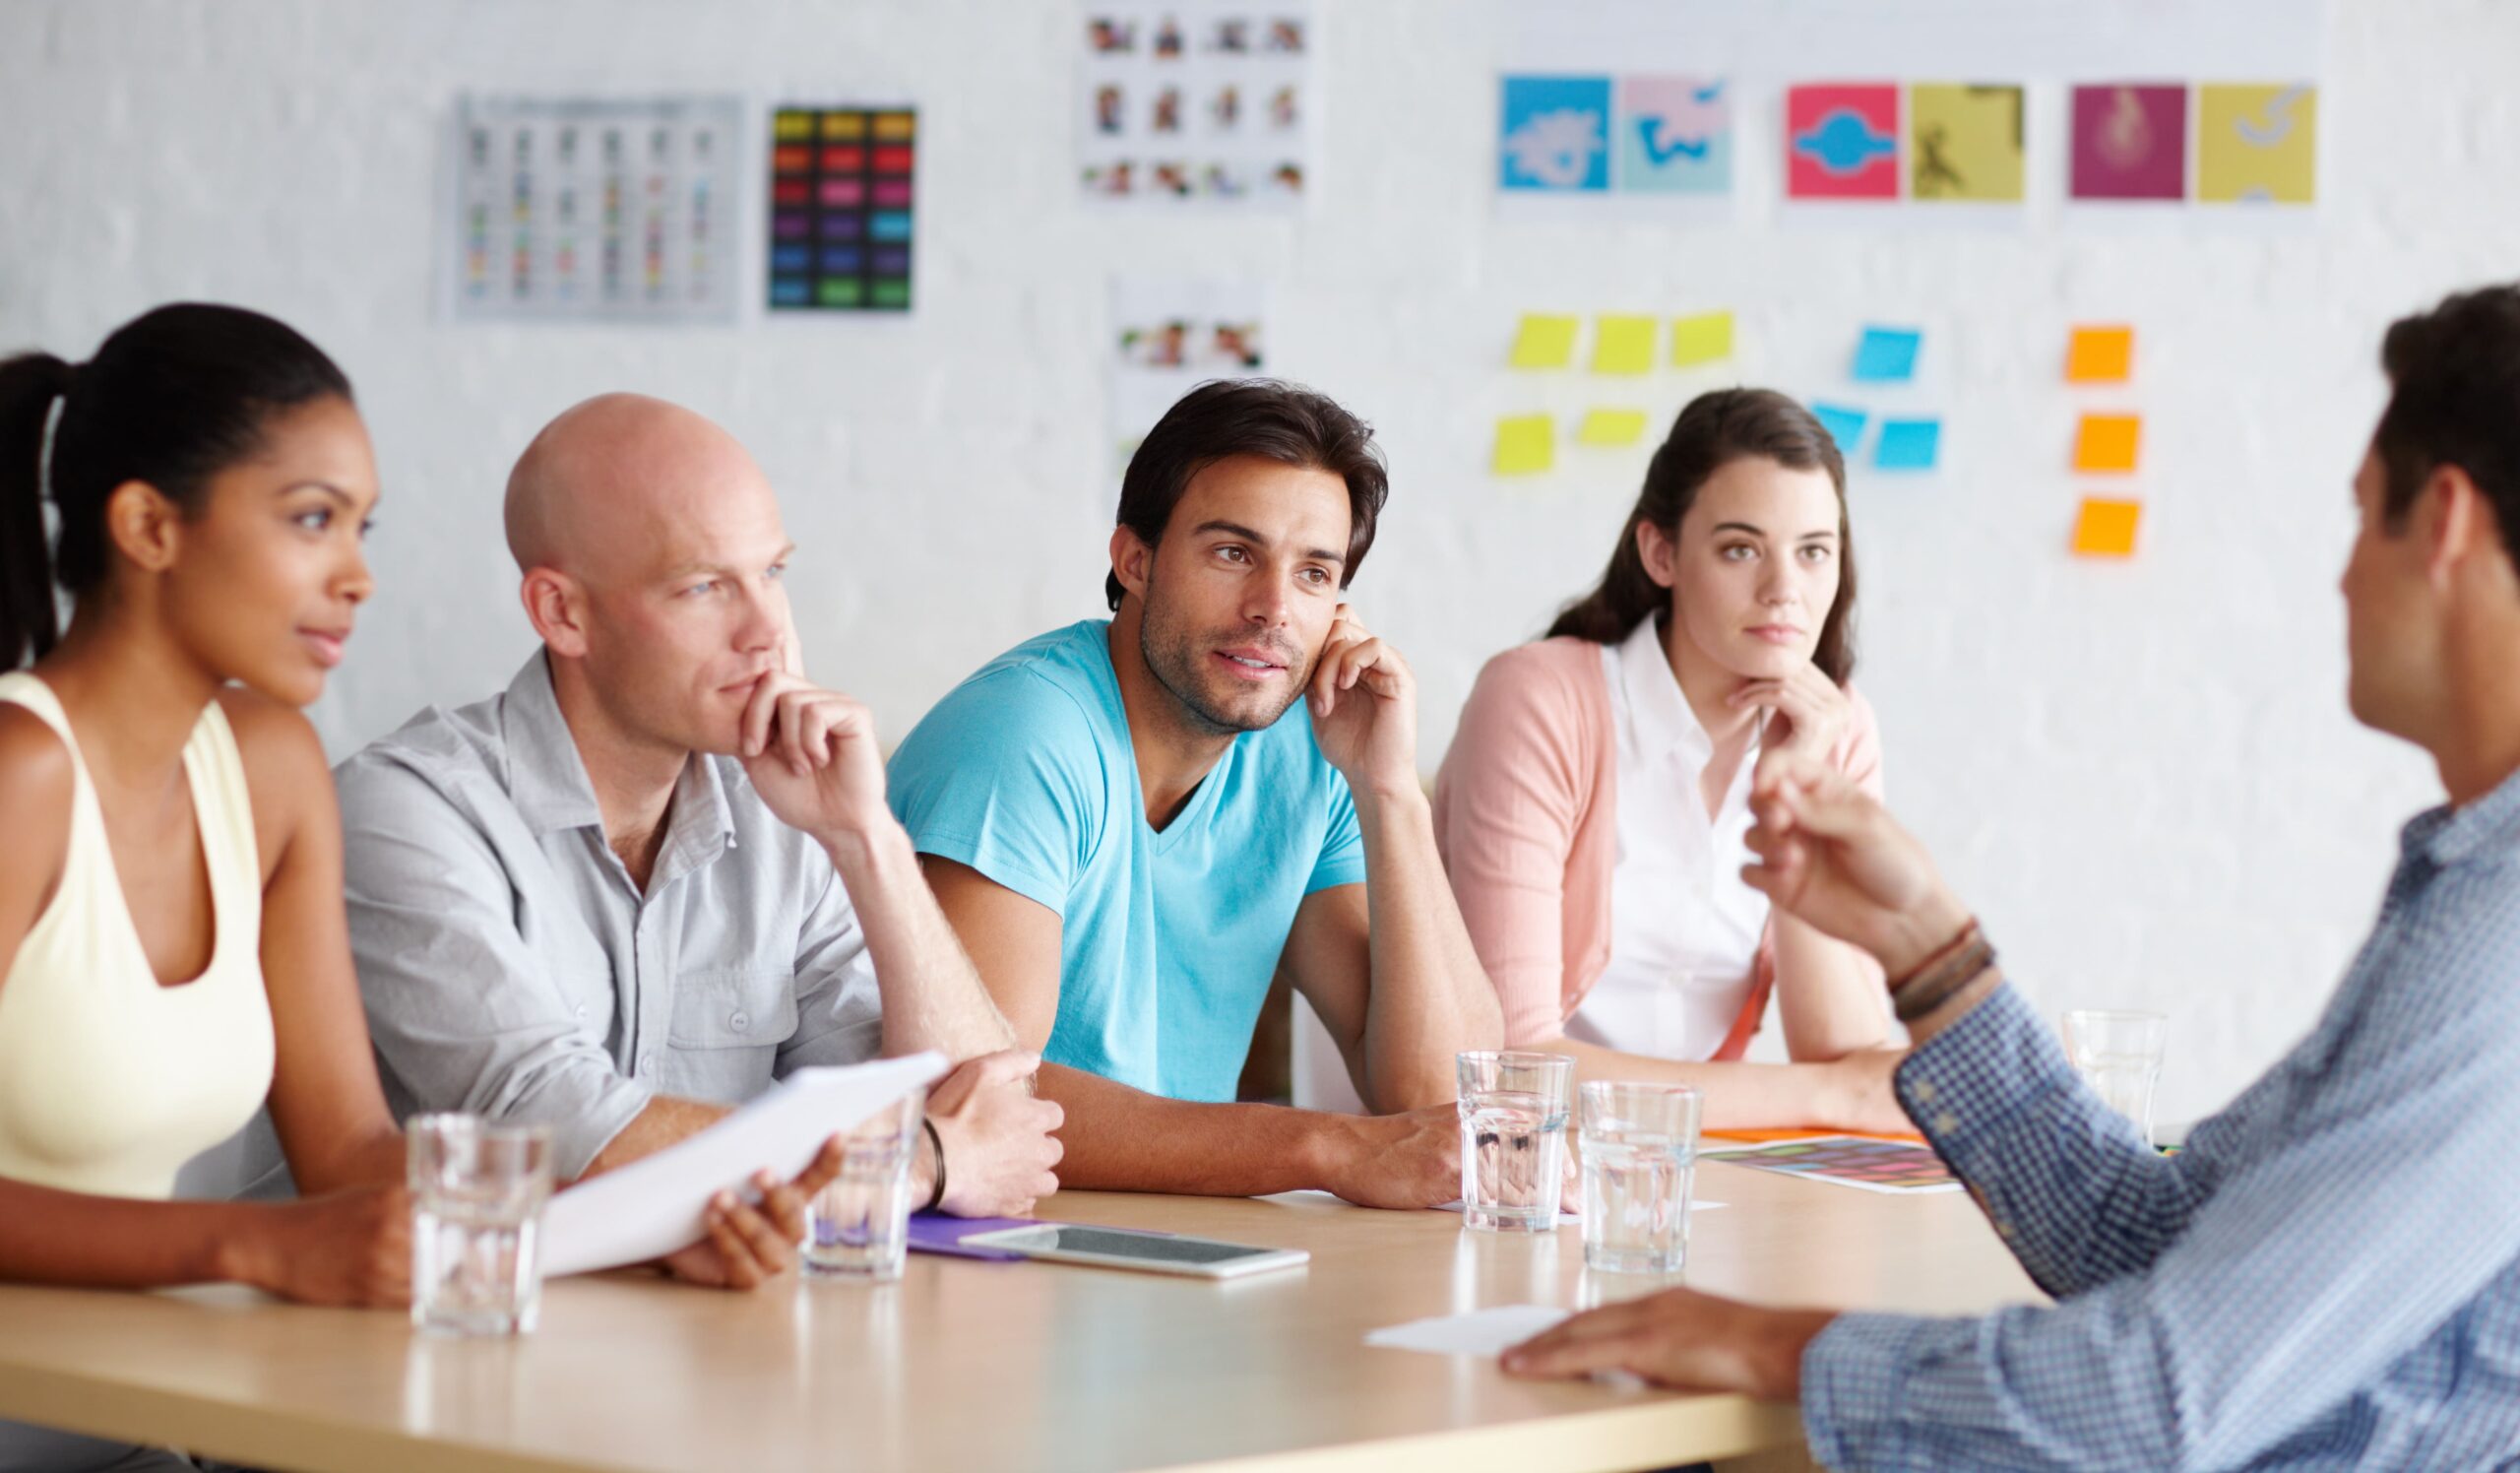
<point>2352,1222</point>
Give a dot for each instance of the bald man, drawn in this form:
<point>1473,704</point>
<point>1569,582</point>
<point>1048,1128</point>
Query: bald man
<point>659,873</point>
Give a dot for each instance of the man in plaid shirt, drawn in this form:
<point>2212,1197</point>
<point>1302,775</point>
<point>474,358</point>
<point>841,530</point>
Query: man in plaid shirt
<point>2329,1276</point>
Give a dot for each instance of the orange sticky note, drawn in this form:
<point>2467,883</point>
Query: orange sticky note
<point>2100,355</point>
<point>2106,528</point>
<point>2107,443</point>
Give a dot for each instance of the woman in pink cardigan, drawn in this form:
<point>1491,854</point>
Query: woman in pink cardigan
<point>1592,808</point>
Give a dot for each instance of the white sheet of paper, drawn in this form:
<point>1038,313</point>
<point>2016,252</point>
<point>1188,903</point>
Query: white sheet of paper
<point>1482,1332</point>
<point>653,1206</point>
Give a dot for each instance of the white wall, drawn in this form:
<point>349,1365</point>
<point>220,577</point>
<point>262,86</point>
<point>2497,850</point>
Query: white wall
<point>2144,775</point>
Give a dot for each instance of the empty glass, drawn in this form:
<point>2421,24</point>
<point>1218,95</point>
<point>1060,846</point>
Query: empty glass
<point>2119,1055</point>
<point>1639,1154</point>
<point>1513,1139</point>
<point>858,1225</point>
<point>478,1190</point>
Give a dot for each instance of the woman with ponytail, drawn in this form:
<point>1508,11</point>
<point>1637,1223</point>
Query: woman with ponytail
<point>1592,808</point>
<point>172,950</point>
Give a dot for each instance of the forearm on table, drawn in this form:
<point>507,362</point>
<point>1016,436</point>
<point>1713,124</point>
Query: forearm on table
<point>1736,1095</point>
<point>1830,998</point>
<point>666,1120</point>
<point>932,997</point>
<point>1120,1139</point>
<point>376,1159</point>
<point>1430,998</point>
<point>69,1237</point>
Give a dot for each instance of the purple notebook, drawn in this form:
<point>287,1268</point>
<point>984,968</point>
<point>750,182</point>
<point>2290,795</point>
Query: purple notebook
<point>936,1233</point>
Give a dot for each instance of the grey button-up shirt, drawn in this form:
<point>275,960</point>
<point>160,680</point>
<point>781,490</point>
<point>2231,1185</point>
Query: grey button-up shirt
<point>510,968</point>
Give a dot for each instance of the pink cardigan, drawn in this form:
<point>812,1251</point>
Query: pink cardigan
<point>1527,819</point>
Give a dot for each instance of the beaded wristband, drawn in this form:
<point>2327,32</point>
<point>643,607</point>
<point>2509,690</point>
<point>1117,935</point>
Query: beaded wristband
<point>1937,983</point>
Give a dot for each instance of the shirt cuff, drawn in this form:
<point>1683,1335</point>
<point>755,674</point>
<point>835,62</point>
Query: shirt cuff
<point>1853,1376</point>
<point>1965,1083</point>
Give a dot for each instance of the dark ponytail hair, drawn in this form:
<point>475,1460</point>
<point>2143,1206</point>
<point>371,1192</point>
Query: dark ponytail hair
<point>171,399</point>
<point>1715,430</point>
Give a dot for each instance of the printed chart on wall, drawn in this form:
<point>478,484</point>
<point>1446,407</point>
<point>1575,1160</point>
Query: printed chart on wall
<point>1168,337</point>
<point>842,208</point>
<point>592,210</point>
<point>1892,1166</point>
<point>1196,103</point>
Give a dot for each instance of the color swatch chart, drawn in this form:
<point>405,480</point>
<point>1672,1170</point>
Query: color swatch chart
<point>1893,1166</point>
<point>842,208</point>
<point>591,208</point>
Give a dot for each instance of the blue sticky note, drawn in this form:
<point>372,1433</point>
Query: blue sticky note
<point>1908,444</point>
<point>1845,425</point>
<point>1887,354</point>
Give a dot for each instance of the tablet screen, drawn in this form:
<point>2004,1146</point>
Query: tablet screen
<point>1150,1249</point>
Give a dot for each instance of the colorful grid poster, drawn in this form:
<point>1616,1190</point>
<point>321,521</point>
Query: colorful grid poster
<point>842,208</point>
<point>591,209</point>
<point>1196,102</point>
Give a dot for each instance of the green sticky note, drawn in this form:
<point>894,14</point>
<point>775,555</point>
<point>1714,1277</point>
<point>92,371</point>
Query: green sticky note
<point>1705,338</point>
<point>1525,444</point>
<point>1612,428</point>
<point>1544,342</point>
<point>1623,345</point>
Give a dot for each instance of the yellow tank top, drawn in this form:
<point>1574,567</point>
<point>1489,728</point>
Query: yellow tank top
<point>108,1082</point>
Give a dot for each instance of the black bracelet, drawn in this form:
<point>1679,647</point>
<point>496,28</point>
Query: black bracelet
<point>936,1144</point>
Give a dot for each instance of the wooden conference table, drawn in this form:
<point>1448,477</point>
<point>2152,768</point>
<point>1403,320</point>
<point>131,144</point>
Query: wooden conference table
<point>983,1366</point>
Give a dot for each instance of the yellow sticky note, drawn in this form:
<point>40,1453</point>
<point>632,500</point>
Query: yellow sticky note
<point>1623,345</point>
<point>2101,356</point>
<point>2107,443</point>
<point>2257,145</point>
<point>1544,342</point>
<point>1525,444</point>
<point>2106,528</point>
<point>1705,338</point>
<point>1612,428</point>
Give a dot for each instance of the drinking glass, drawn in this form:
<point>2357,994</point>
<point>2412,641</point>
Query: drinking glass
<point>1639,1155</point>
<point>2119,1055</point>
<point>478,1190</point>
<point>1513,1139</point>
<point>859,1226</point>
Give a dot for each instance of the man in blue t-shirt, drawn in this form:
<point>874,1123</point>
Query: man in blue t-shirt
<point>1132,828</point>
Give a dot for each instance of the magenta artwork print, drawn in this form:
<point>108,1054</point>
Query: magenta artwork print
<point>2130,142</point>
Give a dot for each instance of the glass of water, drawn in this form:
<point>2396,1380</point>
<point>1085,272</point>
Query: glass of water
<point>858,1225</point>
<point>1639,1153</point>
<point>1513,1139</point>
<point>478,1190</point>
<point>2119,1055</point>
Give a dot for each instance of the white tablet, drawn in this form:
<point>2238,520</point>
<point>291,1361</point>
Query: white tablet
<point>1154,1252</point>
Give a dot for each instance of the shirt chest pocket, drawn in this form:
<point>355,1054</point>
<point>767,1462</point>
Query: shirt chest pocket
<point>734,1009</point>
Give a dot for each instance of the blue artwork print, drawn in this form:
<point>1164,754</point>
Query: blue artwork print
<point>1554,134</point>
<point>1675,135</point>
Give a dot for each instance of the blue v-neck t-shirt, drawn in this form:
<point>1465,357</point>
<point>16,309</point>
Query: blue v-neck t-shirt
<point>1025,773</point>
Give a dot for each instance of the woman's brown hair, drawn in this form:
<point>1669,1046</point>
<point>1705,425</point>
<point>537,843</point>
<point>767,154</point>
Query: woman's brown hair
<point>1715,430</point>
